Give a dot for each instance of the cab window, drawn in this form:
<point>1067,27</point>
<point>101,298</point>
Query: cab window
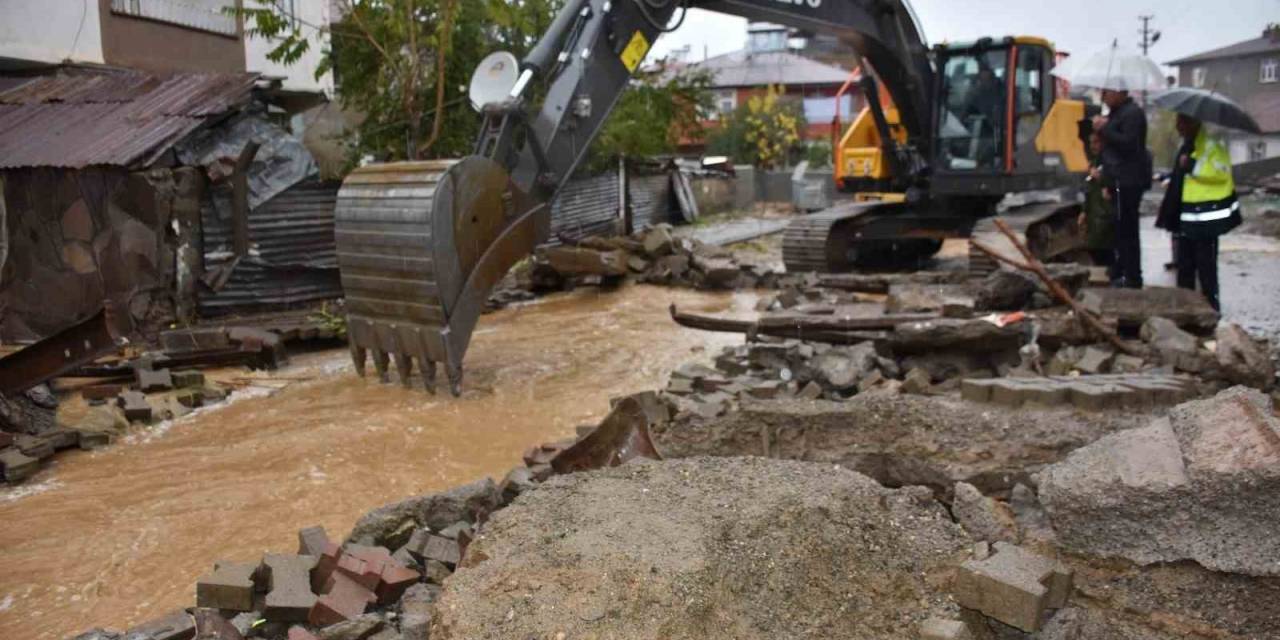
<point>974,102</point>
<point>1030,87</point>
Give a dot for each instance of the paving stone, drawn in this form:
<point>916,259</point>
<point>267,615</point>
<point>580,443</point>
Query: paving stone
<point>942,629</point>
<point>680,386</point>
<point>342,599</point>
<point>1125,363</point>
<point>1045,393</point>
<point>150,381</point>
<point>870,381</point>
<point>210,625</point>
<point>230,586</point>
<point>1095,359</point>
<point>811,391</point>
<point>299,633</point>
<point>436,571</point>
<point>89,440</point>
<point>312,541</point>
<point>135,405</point>
<point>17,466</point>
<point>176,625</point>
<point>975,390</point>
<point>362,627</point>
<point>395,579</point>
<point>1007,392</point>
<point>1014,586</point>
<point>917,381</point>
<point>61,438</point>
<point>415,611</point>
<point>189,398</point>
<point>441,549</point>
<point>186,340</point>
<point>101,391</point>
<point>289,596</point>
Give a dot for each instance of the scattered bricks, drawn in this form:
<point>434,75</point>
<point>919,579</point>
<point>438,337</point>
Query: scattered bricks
<point>1007,392</point>
<point>731,364</point>
<point>767,389</point>
<point>212,395</point>
<point>187,340</point>
<point>312,541</point>
<point>289,597</point>
<point>343,599</point>
<point>363,627</point>
<point>456,530</point>
<point>1013,586</point>
<point>441,549</point>
<point>16,465</point>
<point>405,557</point>
<point>1125,363</point>
<point>658,242</point>
<point>811,391</point>
<point>177,625</point>
<point>940,629</point>
<point>1098,397</point>
<point>150,381</point>
<point>975,390</point>
<point>415,611</point>
<point>33,446</point>
<point>230,586</point>
<point>135,405</point>
<point>396,578</point>
<point>364,573</point>
<point>870,381</point>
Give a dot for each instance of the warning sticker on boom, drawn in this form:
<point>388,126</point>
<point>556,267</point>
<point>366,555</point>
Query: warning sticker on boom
<point>635,52</point>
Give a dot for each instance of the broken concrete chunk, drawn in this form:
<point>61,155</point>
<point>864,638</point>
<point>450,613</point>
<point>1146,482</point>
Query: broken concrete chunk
<point>289,597</point>
<point>927,298</point>
<point>810,391</point>
<point>230,586</point>
<point>516,482</point>
<point>361,627</point>
<point>210,625</point>
<point>1095,359</point>
<point>942,629</point>
<point>187,378</point>
<point>1133,307</point>
<point>89,440</point>
<point>917,381</point>
<point>1202,485</point>
<point>658,242</point>
<point>435,511</point>
<point>1242,359</point>
<point>1005,290</point>
<point>415,611</point>
<point>1014,586</point>
<point>983,517</point>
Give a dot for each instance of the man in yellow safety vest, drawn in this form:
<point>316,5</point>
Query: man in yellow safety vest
<point>1209,208</point>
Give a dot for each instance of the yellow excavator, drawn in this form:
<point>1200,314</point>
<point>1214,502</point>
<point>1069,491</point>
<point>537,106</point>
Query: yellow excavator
<point>420,244</point>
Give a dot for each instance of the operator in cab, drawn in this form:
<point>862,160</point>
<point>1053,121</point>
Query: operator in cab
<point>985,103</point>
<point>1126,164</point>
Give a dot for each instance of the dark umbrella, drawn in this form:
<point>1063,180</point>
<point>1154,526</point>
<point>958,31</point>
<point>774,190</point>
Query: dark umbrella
<point>1207,106</point>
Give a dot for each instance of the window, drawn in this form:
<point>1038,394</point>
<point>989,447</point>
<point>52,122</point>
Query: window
<point>1267,72</point>
<point>726,101</point>
<point>1197,77</point>
<point>201,15</point>
<point>1257,150</point>
<point>762,41</point>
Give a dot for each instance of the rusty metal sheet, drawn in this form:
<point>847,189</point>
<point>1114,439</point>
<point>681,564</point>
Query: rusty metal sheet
<point>64,351</point>
<point>83,118</point>
<point>623,435</point>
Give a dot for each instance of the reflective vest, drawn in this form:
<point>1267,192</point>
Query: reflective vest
<point>1209,206</point>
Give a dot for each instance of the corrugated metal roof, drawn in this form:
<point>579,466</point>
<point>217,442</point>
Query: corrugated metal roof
<point>77,118</point>
<point>744,69</point>
<point>1252,47</point>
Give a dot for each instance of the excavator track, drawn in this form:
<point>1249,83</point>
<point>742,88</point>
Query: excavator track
<point>1050,230</point>
<point>861,235</point>
<point>420,244</point>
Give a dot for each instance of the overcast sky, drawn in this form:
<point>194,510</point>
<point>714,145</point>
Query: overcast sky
<point>1076,26</point>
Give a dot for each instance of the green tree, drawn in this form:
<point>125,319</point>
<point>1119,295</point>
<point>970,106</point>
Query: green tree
<point>405,64</point>
<point>658,110</point>
<point>765,132</point>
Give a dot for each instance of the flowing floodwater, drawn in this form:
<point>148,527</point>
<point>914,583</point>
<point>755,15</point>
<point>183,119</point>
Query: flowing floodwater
<point>118,536</point>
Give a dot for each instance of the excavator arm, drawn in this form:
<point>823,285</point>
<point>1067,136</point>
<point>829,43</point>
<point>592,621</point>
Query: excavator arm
<point>420,245</point>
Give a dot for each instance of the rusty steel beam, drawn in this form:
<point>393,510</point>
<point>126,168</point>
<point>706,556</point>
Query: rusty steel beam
<point>64,351</point>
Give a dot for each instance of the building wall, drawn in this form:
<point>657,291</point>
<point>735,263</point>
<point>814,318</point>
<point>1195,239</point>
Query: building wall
<point>1238,78</point>
<point>50,31</point>
<point>153,45</point>
<point>299,76</point>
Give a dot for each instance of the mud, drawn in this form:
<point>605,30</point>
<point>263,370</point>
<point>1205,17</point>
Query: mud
<point>119,536</point>
<point>901,440</point>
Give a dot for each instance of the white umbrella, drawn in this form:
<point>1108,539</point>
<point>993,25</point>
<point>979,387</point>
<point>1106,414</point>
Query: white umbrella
<point>1112,68</point>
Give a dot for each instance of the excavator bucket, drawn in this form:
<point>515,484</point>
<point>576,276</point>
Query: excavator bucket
<point>621,436</point>
<point>420,245</point>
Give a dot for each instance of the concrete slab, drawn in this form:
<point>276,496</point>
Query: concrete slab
<point>1014,586</point>
<point>230,586</point>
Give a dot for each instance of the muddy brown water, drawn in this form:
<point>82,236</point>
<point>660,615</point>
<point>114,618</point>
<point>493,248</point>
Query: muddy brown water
<point>118,536</point>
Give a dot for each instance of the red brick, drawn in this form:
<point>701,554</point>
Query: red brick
<point>365,573</point>
<point>343,599</point>
<point>395,580</point>
<point>325,565</point>
<point>298,633</point>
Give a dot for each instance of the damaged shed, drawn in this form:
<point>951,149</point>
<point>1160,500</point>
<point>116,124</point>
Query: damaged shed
<point>120,185</point>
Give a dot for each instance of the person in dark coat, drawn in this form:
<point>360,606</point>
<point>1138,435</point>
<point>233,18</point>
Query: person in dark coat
<point>1098,217</point>
<point>1127,165</point>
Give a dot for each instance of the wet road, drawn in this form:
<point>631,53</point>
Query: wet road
<point>118,536</point>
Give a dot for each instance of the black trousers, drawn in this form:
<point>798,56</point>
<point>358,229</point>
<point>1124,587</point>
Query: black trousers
<point>1198,260</point>
<point>1128,246</point>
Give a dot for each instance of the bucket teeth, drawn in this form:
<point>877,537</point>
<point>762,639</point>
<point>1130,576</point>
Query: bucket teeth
<point>404,366</point>
<point>380,361</point>
<point>358,357</point>
<point>428,368</point>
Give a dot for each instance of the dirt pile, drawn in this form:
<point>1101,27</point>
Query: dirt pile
<point>706,548</point>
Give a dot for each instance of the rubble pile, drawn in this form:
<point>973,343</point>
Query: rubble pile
<point>654,255</point>
<point>142,390</point>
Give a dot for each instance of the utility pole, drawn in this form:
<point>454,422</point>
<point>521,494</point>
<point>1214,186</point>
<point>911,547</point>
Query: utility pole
<point>1149,36</point>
